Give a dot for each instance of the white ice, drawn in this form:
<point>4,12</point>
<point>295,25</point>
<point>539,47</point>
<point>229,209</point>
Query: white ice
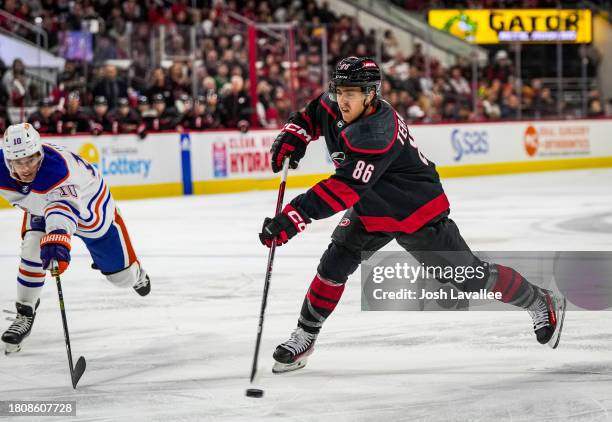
<point>184,352</point>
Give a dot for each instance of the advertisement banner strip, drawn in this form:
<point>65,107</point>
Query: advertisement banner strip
<point>304,181</point>
<point>494,26</point>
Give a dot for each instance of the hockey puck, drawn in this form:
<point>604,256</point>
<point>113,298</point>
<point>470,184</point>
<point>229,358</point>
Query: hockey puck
<point>254,392</point>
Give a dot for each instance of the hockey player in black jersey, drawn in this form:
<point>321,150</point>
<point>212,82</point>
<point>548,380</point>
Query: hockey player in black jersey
<point>390,191</point>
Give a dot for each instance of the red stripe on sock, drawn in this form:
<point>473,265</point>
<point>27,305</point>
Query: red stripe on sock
<point>320,303</point>
<point>31,274</point>
<point>505,283</point>
<point>327,289</point>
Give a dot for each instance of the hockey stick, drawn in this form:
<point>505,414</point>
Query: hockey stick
<point>76,372</point>
<point>264,299</point>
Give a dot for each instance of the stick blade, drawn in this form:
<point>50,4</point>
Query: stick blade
<point>79,369</point>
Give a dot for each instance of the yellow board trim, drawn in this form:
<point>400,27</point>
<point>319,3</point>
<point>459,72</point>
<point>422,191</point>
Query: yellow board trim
<point>242,185</point>
<point>524,167</point>
<point>297,181</point>
<point>465,170</point>
<point>160,190</point>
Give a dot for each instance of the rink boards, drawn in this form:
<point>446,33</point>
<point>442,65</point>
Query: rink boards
<point>172,164</point>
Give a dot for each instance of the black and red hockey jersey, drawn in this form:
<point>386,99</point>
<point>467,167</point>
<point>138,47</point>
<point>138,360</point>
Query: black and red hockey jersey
<point>379,170</point>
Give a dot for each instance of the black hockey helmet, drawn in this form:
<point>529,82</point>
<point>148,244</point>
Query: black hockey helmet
<point>356,71</point>
<point>100,100</point>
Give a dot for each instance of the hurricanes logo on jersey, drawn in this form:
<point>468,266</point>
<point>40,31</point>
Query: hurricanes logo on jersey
<point>338,157</point>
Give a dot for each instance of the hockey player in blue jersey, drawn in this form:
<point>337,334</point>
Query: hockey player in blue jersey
<point>62,196</point>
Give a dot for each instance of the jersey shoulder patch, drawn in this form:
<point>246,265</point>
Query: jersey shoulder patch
<point>53,172</point>
<point>374,134</point>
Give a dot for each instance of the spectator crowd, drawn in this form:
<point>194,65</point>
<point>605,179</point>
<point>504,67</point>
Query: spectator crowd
<point>208,86</point>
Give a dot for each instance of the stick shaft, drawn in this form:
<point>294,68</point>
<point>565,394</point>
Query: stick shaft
<point>264,298</point>
<point>60,294</point>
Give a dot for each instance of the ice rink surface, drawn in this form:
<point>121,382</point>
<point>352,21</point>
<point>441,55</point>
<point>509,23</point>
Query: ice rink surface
<point>184,352</point>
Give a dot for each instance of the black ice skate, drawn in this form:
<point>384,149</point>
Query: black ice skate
<point>293,354</point>
<point>20,328</point>
<point>548,312</point>
<point>143,285</point>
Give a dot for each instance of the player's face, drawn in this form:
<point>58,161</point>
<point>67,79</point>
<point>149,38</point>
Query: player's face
<point>45,111</point>
<point>350,100</point>
<point>100,109</point>
<point>26,168</point>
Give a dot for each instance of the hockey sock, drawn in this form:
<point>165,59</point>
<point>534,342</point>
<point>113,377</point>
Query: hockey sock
<point>515,289</point>
<point>320,301</point>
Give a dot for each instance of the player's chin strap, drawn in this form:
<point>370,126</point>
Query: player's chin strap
<point>366,105</point>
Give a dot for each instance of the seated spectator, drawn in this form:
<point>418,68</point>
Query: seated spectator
<point>459,85</point>
<point>212,110</point>
<point>510,106</point>
<point>179,83</point>
<point>101,120</point>
<point>125,119</point>
<point>198,118</point>
<point>491,106</point>
<point>417,59</point>
<point>160,85</point>
<point>390,45</point>
<point>235,105</point>
<point>17,84</point>
<point>166,118</point>
<point>45,119</point>
<point>183,104</point>
<point>144,108</point>
<point>543,104</point>
<point>267,115</point>
<point>595,109</point>
<point>74,119</point>
<point>501,68</point>
<point>208,85</point>
<point>413,83</point>
<point>111,87</point>
<point>398,66</point>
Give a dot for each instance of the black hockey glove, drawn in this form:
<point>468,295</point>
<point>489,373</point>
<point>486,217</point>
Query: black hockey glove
<point>284,226</point>
<point>291,142</point>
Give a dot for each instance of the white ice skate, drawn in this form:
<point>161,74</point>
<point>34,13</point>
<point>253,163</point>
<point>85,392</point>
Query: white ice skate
<point>293,354</point>
<point>548,313</point>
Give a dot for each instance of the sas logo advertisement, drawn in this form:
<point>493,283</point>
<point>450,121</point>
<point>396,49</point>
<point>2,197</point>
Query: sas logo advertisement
<point>116,161</point>
<point>554,141</point>
<point>469,142</point>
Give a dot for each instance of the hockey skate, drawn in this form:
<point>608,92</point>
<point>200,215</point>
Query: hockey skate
<point>293,354</point>
<point>20,328</point>
<point>143,285</point>
<point>548,312</point>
